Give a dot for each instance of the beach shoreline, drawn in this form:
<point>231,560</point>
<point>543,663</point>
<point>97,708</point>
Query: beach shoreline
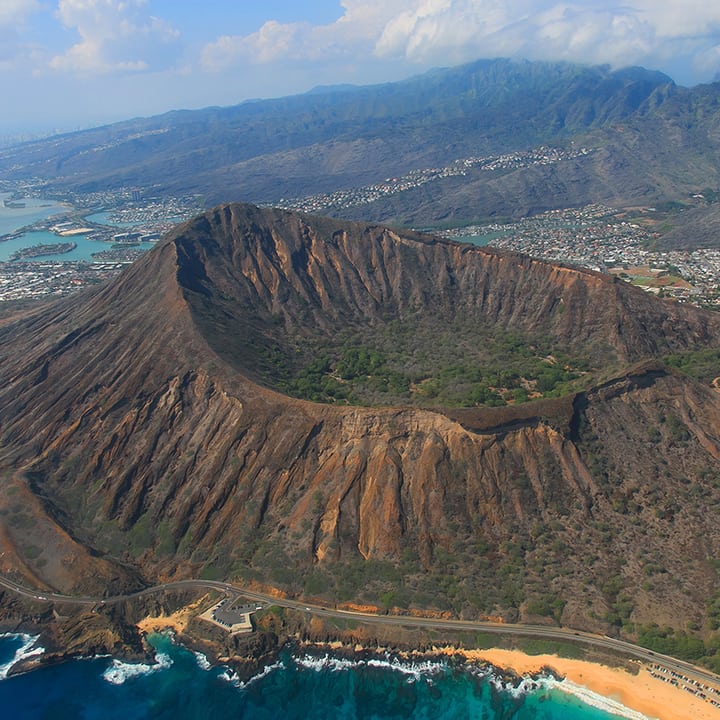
<point>648,690</point>
<point>641,692</point>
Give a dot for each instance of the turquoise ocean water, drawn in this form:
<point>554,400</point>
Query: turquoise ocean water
<point>84,250</point>
<point>182,685</point>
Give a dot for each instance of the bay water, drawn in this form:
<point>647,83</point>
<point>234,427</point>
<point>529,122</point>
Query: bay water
<point>35,209</point>
<point>13,219</point>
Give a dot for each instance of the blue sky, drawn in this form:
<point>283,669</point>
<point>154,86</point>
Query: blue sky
<point>67,64</point>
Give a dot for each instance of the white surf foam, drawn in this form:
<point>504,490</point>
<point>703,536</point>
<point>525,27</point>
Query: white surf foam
<point>231,677</point>
<point>600,702</point>
<point>326,662</point>
<point>120,671</point>
<point>522,687</point>
<point>26,650</point>
<point>414,670</point>
<point>426,669</point>
<point>587,696</point>
<point>202,661</point>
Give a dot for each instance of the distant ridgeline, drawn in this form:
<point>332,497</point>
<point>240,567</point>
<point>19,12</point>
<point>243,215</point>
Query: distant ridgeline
<point>652,142</point>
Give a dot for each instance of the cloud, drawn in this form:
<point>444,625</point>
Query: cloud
<point>587,31</point>
<point>14,15</point>
<point>115,35</point>
<point>434,28</point>
<point>13,12</point>
<point>432,32</point>
<point>352,34</point>
<point>686,19</point>
<point>587,34</point>
<point>462,29</point>
<point>273,41</point>
<point>708,63</point>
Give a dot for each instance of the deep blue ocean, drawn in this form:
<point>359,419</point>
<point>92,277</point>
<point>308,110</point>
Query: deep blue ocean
<point>181,685</point>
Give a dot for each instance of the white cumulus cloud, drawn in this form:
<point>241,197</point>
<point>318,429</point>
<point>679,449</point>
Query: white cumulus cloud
<point>351,35</point>
<point>587,34</point>
<point>450,29</point>
<point>680,19</point>
<point>115,35</point>
<point>271,42</point>
<point>432,32</point>
<point>463,29</point>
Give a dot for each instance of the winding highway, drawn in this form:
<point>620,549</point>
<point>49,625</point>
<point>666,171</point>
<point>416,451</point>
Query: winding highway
<point>540,631</point>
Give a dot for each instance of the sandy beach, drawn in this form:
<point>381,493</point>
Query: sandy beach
<point>642,692</point>
<point>177,621</point>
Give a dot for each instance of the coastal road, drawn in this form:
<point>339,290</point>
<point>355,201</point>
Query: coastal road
<point>540,631</point>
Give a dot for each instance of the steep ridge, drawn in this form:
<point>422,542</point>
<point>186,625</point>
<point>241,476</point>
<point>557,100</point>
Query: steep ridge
<point>273,265</point>
<point>131,416</point>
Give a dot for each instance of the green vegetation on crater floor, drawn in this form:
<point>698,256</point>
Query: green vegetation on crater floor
<point>429,364</point>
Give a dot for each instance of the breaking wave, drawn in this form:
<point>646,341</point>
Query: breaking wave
<point>202,661</point>
<point>119,671</point>
<point>414,670</point>
<point>26,650</point>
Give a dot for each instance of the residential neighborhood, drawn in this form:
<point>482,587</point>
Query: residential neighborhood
<point>597,237</point>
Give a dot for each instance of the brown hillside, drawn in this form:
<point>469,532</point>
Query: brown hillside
<point>134,432</point>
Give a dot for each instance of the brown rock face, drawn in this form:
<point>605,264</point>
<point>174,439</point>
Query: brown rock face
<point>133,420</point>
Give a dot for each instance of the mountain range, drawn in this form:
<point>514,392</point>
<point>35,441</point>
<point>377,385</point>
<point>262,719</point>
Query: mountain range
<point>150,430</point>
<point>650,142</point>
